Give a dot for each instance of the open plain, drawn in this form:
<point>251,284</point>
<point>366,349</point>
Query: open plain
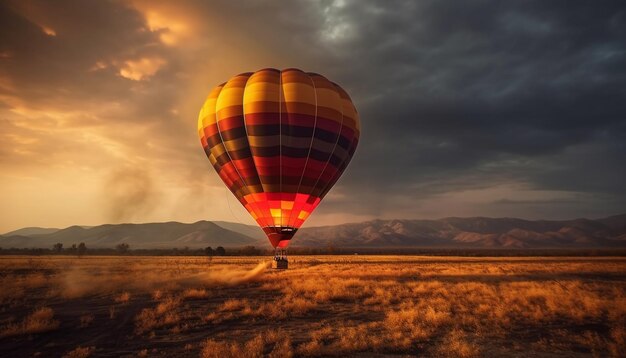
<point>322,305</point>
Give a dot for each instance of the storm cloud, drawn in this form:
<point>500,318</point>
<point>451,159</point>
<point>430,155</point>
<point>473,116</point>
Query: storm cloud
<point>475,108</point>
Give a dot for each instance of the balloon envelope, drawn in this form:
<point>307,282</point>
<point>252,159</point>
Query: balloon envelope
<point>279,140</point>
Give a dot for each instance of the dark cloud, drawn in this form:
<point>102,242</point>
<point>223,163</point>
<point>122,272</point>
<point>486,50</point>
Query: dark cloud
<point>503,98</point>
<point>532,91</point>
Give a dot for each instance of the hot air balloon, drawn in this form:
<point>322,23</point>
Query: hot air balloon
<point>279,140</point>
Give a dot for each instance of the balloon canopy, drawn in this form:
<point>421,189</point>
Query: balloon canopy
<point>279,140</point>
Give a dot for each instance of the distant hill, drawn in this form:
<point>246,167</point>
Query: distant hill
<point>248,230</point>
<point>27,231</point>
<point>477,232</point>
<point>144,236</point>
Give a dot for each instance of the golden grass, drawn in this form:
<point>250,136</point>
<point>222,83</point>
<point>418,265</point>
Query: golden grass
<point>80,352</point>
<point>270,344</point>
<point>456,344</point>
<point>163,315</point>
<point>335,305</point>
<point>195,293</point>
<point>124,297</point>
<point>41,320</point>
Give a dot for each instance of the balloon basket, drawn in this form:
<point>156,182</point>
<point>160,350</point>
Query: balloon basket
<point>280,261</point>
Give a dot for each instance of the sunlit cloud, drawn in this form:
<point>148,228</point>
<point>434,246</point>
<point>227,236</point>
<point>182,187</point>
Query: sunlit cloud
<point>173,24</point>
<point>170,30</point>
<point>99,65</point>
<point>141,69</point>
<point>48,31</point>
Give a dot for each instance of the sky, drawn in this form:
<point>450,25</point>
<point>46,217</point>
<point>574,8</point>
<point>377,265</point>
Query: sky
<point>481,108</point>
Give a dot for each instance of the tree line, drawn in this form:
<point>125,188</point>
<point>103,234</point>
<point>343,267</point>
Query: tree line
<point>124,249</point>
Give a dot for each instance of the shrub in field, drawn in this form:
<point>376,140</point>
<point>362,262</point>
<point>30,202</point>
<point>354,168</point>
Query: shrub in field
<point>456,345</point>
<point>252,348</point>
<point>124,297</point>
<point>164,314</point>
<point>80,352</point>
<point>271,344</point>
<point>234,305</point>
<point>195,293</point>
<point>39,321</point>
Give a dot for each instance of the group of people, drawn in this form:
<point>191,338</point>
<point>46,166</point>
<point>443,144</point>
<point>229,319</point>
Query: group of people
<point>279,257</point>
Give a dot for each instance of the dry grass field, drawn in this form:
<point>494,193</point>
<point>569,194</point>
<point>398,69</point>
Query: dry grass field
<point>323,305</point>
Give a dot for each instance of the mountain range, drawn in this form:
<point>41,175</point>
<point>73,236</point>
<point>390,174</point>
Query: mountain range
<point>475,232</point>
<point>138,236</point>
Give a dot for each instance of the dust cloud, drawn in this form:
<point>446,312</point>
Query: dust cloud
<point>231,277</point>
<point>128,192</point>
<point>80,282</point>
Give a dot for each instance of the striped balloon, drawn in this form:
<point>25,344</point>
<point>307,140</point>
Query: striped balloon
<point>279,140</point>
